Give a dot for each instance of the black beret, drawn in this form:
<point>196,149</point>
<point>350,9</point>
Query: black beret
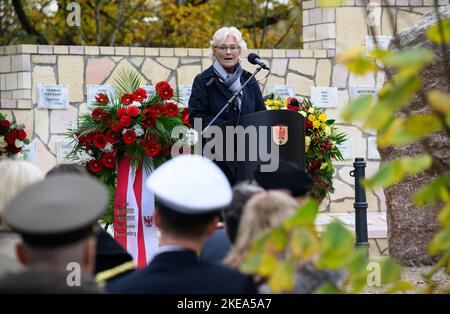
<point>289,176</point>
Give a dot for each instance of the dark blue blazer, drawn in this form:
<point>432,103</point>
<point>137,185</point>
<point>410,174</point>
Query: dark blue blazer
<point>216,247</point>
<point>182,272</point>
<point>209,95</point>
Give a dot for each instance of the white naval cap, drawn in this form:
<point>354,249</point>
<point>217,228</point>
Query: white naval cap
<point>190,184</point>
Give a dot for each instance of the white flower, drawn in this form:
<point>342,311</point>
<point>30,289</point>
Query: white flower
<point>18,143</point>
<point>19,156</point>
<point>307,143</point>
<point>84,157</point>
<point>108,148</point>
<point>137,104</point>
<point>124,131</point>
<point>327,131</point>
<point>303,113</point>
<point>311,110</point>
<point>138,130</point>
<point>3,142</point>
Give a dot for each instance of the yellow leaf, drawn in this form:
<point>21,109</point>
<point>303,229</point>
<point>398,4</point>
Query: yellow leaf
<point>350,55</point>
<point>434,32</point>
<point>282,278</point>
<point>267,265</point>
<point>439,101</point>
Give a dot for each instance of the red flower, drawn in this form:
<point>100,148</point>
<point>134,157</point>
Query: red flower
<point>309,124</point>
<point>101,98</point>
<point>133,111</point>
<point>157,110</point>
<point>111,137</point>
<point>10,138</point>
<point>185,116</point>
<point>291,107</point>
<point>129,137</point>
<point>99,141</point>
<point>4,124</point>
<point>164,90</point>
<point>95,166</point>
<point>125,121</point>
<point>116,126</point>
<point>121,112</point>
<point>152,148</point>
<point>140,94</point>
<point>97,114</point>
<point>127,99</point>
<point>108,160</point>
<point>171,109</point>
<point>21,135</point>
<point>13,149</point>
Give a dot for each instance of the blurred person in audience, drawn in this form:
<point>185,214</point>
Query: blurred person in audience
<point>15,175</point>
<point>111,259</point>
<point>190,191</point>
<point>57,220</point>
<point>220,242</point>
<point>264,212</point>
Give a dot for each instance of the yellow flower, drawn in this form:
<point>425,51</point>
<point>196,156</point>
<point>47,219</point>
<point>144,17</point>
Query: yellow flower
<point>323,166</point>
<point>307,143</point>
<point>316,124</point>
<point>323,117</point>
<point>312,118</point>
<point>269,102</point>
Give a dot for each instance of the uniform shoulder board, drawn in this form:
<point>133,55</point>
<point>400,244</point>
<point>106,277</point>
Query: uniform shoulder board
<point>106,275</point>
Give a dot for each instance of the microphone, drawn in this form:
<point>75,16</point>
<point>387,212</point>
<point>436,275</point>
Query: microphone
<point>253,58</point>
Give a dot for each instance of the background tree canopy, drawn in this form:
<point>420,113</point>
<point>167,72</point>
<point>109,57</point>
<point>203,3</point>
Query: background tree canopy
<point>151,23</point>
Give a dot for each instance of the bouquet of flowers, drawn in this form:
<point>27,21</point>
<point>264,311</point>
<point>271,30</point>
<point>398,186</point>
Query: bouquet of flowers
<point>12,138</point>
<point>130,124</point>
<point>321,140</point>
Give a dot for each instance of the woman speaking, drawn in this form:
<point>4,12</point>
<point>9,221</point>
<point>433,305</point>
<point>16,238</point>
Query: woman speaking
<point>216,85</point>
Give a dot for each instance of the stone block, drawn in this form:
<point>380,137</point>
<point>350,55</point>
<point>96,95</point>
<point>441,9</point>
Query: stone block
<point>350,21</point>
<point>152,51</point>
<point>5,64</point>
<point>42,125</point>
<point>45,160</point>
<point>122,51</point>
<point>11,81</point>
<point>273,80</point>
<point>10,50</point>
<point>166,52</point>
<point>362,80</point>
<point>186,74</point>
<point>25,117</point>
<point>24,104</point>
<point>292,53</point>
<point>342,206</point>
<point>406,19</point>
<point>302,84</point>
<point>305,17</point>
<point>306,66</point>
<point>320,53</point>
<point>402,2</point>
<point>92,50</point>
<point>104,50</point>
<point>54,139</point>
<point>315,45</point>
<point>20,63</point>
<point>279,66</point>
<point>329,44</point>
<point>2,82</point>
<point>206,52</point>
<point>154,72</point>
<point>45,49</point>
<point>309,33</point>
<point>22,94</point>
<point>415,3</point>
<point>328,15</point>
<point>279,53</point>
<point>137,61</point>
<point>71,72</point>
<point>27,49</point>
<point>61,50</point>
<point>265,53</point>
<point>340,75</point>
<point>185,61</point>
<point>306,53</point>
<point>323,72</point>
<point>193,52</point>
<point>325,31</point>
<point>76,50</point>
<point>137,51</point>
<point>206,63</point>
<point>61,120</point>
<point>8,103</point>
<point>181,52</point>
<point>43,59</point>
<point>315,16</point>
<point>309,4</point>
<point>170,63</point>
<point>98,70</point>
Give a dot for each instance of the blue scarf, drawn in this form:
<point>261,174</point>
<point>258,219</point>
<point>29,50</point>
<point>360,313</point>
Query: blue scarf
<point>231,80</point>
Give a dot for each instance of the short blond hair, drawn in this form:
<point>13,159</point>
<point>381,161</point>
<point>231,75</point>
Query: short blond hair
<point>220,36</point>
<point>15,175</point>
<point>264,211</point>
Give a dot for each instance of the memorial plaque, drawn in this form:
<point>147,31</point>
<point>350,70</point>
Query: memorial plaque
<point>324,97</point>
<point>184,94</point>
<point>62,149</point>
<point>372,150</point>
<point>357,91</point>
<point>94,90</point>
<point>346,149</point>
<point>53,96</point>
<point>382,42</point>
<point>29,152</point>
<point>284,91</point>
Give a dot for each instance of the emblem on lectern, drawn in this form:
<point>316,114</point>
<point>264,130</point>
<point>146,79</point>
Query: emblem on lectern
<point>280,134</point>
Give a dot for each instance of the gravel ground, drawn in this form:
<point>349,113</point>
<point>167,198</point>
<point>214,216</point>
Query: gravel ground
<point>413,275</point>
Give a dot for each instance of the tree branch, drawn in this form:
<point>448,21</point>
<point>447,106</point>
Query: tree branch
<point>25,22</point>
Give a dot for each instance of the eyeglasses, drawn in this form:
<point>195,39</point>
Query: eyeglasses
<point>224,48</point>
